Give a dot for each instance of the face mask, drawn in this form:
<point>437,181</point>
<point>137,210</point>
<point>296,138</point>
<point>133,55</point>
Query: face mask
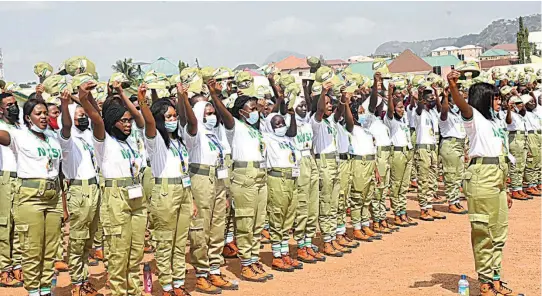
<point>13,113</point>
<point>210,121</point>
<point>118,134</point>
<point>362,119</point>
<point>497,82</point>
<point>53,123</point>
<point>83,123</point>
<point>516,109</point>
<point>36,129</point>
<point>252,117</point>
<point>299,118</point>
<point>171,126</point>
<point>432,104</point>
<point>455,109</point>
<point>280,131</point>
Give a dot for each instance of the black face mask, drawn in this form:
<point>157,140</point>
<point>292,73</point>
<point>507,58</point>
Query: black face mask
<point>118,134</point>
<point>83,123</point>
<point>13,113</point>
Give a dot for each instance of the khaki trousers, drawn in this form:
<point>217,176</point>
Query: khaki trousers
<point>363,188</point>
<point>533,167</point>
<point>307,200</point>
<point>452,154</point>
<point>10,250</point>
<point>378,205</point>
<point>401,162</point>
<point>518,149</point>
<point>329,196</point>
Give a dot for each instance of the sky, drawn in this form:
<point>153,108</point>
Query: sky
<point>226,33</point>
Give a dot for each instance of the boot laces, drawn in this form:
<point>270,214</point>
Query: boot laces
<point>504,288</point>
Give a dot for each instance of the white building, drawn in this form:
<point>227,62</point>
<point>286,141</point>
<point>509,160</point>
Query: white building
<point>467,52</point>
<point>536,38</point>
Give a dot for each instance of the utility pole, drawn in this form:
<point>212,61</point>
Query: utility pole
<point>197,63</point>
<point>1,64</point>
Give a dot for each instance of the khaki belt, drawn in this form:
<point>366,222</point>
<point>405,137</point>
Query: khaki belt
<point>426,146</point>
<point>11,174</point>
<point>399,148</point>
<point>516,132</point>
<point>454,139</point>
<point>75,182</point>
<point>281,173</point>
<point>344,156</point>
<point>364,157</point>
<point>531,132</point>
<point>121,182</point>
<point>170,181</point>
<point>326,155</point>
<point>488,160</point>
<point>35,183</point>
<point>201,169</point>
<point>247,164</point>
<point>383,148</point>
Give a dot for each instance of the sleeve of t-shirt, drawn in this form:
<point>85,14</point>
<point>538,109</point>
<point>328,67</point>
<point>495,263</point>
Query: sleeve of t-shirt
<point>315,124</point>
<point>65,144</point>
<point>192,142</point>
<point>13,135</point>
<point>100,146</point>
<point>231,132</point>
<point>470,124</point>
<point>150,143</point>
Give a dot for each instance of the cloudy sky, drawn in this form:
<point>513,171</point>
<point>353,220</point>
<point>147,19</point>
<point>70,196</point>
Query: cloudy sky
<point>226,33</point>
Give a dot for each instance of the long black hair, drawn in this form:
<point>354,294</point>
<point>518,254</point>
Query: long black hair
<point>240,102</point>
<point>159,109</point>
<point>481,97</point>
<point>29,106</point>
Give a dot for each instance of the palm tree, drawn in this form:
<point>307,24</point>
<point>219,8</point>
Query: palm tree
<point>127,67</point>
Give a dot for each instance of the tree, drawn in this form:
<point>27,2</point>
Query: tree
<point>524,48</point>
<point>127,67</point>
<point>182,65</point>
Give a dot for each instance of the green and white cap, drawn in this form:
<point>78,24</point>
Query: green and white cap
<point>528,69</point>
<point>245,83</point>
<point>55,85</point>
<point>120,77</point>
<point>314,63</point>
<point>262,91</point>
<point>292,91</point>
<point>99,93</point>
<point>77,65</point>
<point>79,79</point>
<point>468,70</point>
<point>223,73</point>
<point>270,68</point>
<point>192,77</point>
<point>324,74</point>
<point>43,70</point>
<point>207,73</point>
<point>173,80</point>
<point>316,88</point>
<point>505,90</point>
<point>285,80</point>
<point>11,86</point>
<point>380,65</point>
<point>156,80</point>
<point>418,80</point>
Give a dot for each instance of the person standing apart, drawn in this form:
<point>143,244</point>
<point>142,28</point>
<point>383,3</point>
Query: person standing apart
<point>534,128</point>
<point>517,136</point>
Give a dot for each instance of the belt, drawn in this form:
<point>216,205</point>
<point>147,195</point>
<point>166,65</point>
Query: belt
<point>426,146</point>
<point>454,139</point>
<point>516,132</point>
<point>326,155</point>
<point>531,132</point>
<point>247,164</point>
<point>364,157</point>
<point>122,182</point>
<point>487,160</point>
<point>201,169</point>
<point>281,173</point>
<point>91,181</point>
<point>36,183</point>
<point>344,156</point>
<point>171,181</point>
<point>412,129</point>
<point>400,148</point>
<point>148,163</point>
<point>11,174</point>
<point>383,148</point>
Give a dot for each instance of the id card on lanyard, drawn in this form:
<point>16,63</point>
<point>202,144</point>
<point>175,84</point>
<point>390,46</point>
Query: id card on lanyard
<point>296,172</point>
<point>184,166</point>
<point>136,190</point>
<point>333,131</point>
<point>221,171</point>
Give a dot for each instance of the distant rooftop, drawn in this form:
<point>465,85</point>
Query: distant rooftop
<point>495,53</point>
<point>441,61</point>
<point>442,48</point>
<point>507,47</point>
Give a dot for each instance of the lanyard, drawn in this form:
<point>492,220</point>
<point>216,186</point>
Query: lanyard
<point>333,132</point>
<point>91,153</point>
<point>292,149</point>
<point>180,151</point>
<point>49,165</point>
<point>132,162</point>
<point>215,141</point>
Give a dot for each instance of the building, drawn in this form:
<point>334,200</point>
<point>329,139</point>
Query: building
<point>467,52</point>
<point>161,65</point>
<point>359,59</point>
<point>512,48</point>
<point>243,67</point>
<point>299,68</point>
<point>442,65</point>
<point>536,38</point>
<point>495,54</point>
<point>409,62</point>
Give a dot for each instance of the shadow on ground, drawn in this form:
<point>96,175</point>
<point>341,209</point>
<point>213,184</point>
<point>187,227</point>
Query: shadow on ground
<point>447,282</point>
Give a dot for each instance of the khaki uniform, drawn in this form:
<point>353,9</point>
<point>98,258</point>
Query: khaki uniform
<point>401,162</point>
<point>518,149</point>
<point>282,203</point>
<point>307,201</point>
<point>329,195</point>
<point>207,228</point>
<point>249,192</point>
<point>363,188</point>
<point>427,176</point>
<point>533,167</point>
<point>452,154</point>
<point>345,181</point>
<point>10,252</point>
<point>83,205</point>
<point>414,169</point>
<point>378,204</point>
<point>230,211</point>
<point>38,215</point>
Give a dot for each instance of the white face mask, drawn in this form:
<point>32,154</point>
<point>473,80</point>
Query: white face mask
<point>210,121</point>
<point>281,131</point>
<point>36,128</point>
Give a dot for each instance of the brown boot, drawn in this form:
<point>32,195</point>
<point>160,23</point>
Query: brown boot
<point>414,184</point>
<point>400,222</point>
<point>279,264</point>
<point>457,208</point>
<point>248,273</point>
<point>303,256</point>
<point>407,218</point>
<point>258,267</point>
<point>532,191</point>
<point>345,243</point>
<point>351,241</point>
<point>379,228</point>
<point>292,262</point>
<point>501,288</point>
<point>166,293</point>
<point>148,249</point>
<point>435,215</point>
<point>181,291</point>
<point>8,280</point>
<point>218,280</point>
<point>329,250</point>
<point>230,251</point>
<point>340,248</point>
<point>517,195</point>
<point>437,200</point>
<point>360,235</point>
<point>487,289</point>
<point>86,289</point>
<point>98,254</point>
<point>61,266</point>
<point>391,227</point>
<point>266,237</point>
<point>425,216</point>
<point>18,274</point>
<point>370,233</point>
<point>316,255</point>
<point>203,285</point>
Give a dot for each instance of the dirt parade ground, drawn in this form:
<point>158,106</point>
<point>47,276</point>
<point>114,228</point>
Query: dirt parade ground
<point>423,260</point>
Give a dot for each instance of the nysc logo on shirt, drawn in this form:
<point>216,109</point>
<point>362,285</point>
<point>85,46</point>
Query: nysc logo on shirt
<point>50,152</point>
<point>87,147</point>
<point>253,134</point>
<point>126,154</point>
<point>303,137</point>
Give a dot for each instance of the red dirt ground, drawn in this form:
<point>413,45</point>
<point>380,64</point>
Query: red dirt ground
<point>424,260</point>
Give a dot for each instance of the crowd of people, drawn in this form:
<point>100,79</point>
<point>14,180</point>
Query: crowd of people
<point>211,160</point>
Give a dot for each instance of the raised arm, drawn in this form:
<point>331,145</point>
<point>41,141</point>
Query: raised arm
<point>420,105</point>
<point>292,129</point>
<point>412,98</point>
<point>190,117</point>
<point>339,112</point>
<point>150,123</point>
<point>374,92</point>
<point>65,113</point>
<point>444,107</point>
<point>138,118</point>
<point>391,106</point>
<point>349,118</point>
<point>85,96</point>
<point>321,108</point>
<point>509,108</point>
<point>437,97</point>
<point>307,88</point>
<point>226,116</point>
<point>464,107</point>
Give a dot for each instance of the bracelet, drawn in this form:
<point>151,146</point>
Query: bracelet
<point>342,103</point>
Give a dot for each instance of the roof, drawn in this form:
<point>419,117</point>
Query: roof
<point>292,62</point>
<point>407,61</point>
<point>445,48</point>
<point>162,65</point>
<point>364,68</point>
<point>336,62</point>
<point>507,47</point>
<point>486,64</point>
<point>495,53</point>
<point>246,66</point>
<point>470,46</point>
<point>442,61</point>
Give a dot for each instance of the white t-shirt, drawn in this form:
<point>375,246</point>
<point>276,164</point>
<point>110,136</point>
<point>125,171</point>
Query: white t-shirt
<point>305,135</point>
<point>435,117</point>
<point>400,132</point>
<point>534,121</point>
<point>362,141</point>
<point>281,152</point>
<point>452,126</point>
<point>246,142</point>
<point>117,159</point>
<point>166,163</point>
<point>7,158</point>
<point>486,139</point>
<point>221,133</point>
<point>411,116</point>
<point>380,132</point>
<point>425,133</point>
<point>78,157</point>
<point>325,135</point>
<point>518,123</point>
<point>36,158</point>
<point>204,147</point>
<point>343,139</point>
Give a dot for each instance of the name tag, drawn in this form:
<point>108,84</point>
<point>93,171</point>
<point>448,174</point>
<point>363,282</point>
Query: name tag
<point>337,158</point>
<point>305,153</point>
<point>296,172</point>
<point>135,191</point>
<point>222,173</point>
<point>186,181</point>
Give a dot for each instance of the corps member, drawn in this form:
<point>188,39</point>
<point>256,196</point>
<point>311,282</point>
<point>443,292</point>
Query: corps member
<point>517,135</point>
<point>532,168</point>
<point>37,204</point>
<point>485,186</point>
